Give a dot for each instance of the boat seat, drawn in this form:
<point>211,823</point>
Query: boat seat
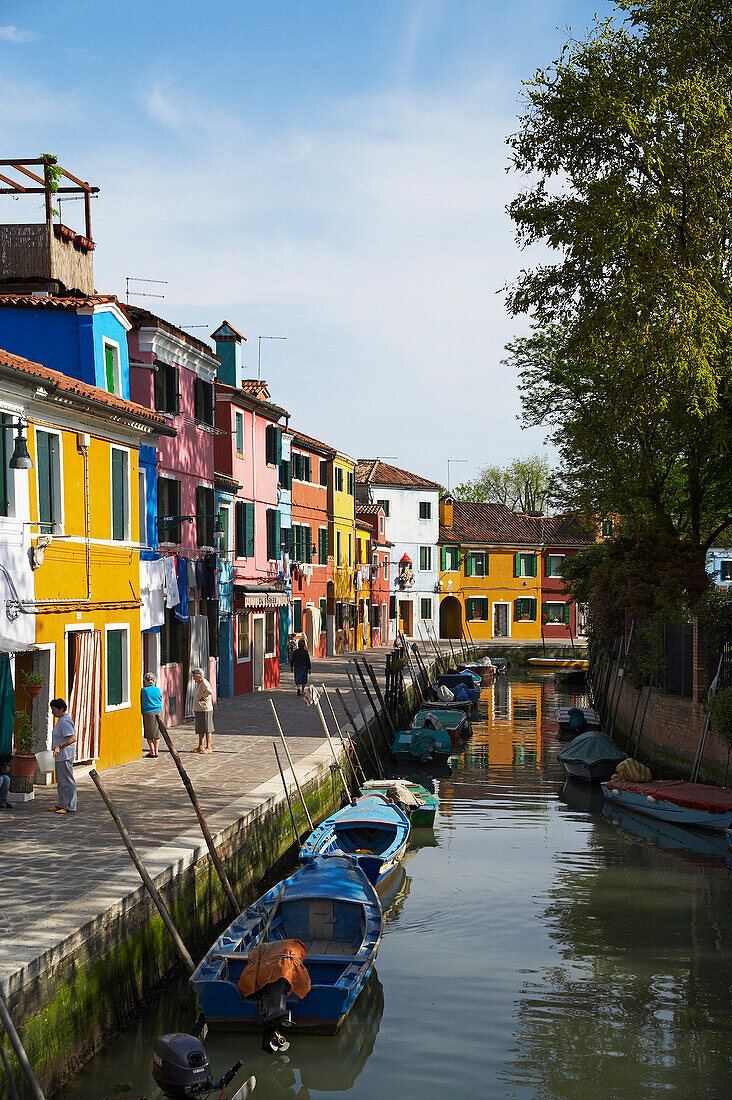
<point>328,947</point>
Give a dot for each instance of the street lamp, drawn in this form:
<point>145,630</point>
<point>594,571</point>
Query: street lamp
<point>20,459</point>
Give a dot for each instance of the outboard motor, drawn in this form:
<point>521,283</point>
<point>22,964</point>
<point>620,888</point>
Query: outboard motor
<point>274,1014</point>
<point>181,1069</point>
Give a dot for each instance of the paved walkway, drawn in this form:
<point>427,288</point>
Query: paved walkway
<point>50,863</point>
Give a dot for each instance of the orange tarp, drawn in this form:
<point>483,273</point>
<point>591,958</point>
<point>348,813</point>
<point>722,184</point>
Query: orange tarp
<point>270,961</point>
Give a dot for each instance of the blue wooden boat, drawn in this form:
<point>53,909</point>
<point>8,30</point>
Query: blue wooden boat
<point>455,722</point>
<point>331,907</point>
<point>698,805</point>
<point>372,828</point>
<point>462,683</point>
<point>422,745</point>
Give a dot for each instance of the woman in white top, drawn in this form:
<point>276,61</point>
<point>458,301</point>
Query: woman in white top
<point>202,710</point>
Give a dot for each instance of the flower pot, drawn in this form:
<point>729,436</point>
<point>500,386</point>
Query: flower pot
<point>33,690</point>
<point>23,767</point>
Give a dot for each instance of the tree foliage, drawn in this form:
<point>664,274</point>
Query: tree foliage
<point>627,142</point>
<point>523,485</point>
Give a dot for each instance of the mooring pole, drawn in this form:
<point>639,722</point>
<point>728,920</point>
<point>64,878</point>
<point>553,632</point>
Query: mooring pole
<point>215,859</point>
<point>347,743</point>
<point>20,1054</point>
<point>380,724</point>
<point>357,697</point>
<point>292,768</point>
<point>349,716</point>
<point>336,761</point>
<point>380,697</point>
<point>287,795</point>
<point>149,884</point>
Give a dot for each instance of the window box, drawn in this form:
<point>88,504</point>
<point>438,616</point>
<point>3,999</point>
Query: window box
<point>555,613</point>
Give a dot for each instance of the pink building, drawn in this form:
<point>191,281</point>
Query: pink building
<point>374,516</point>
<point>174,374</point>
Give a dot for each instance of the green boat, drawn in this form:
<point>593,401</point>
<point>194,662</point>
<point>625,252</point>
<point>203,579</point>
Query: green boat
<point>414,799</point>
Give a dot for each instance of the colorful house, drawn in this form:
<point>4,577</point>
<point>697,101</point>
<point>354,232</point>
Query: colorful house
<point>226,490</point>
<point>249,449</point>
<point>561,537</point>
<point>362,583</point>
<point>372,515</point>
<point>70,534</point>
<point>310,563</point>
<point>341,601</point>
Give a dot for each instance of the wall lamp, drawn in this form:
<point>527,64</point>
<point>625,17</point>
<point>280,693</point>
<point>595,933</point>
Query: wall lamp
<point>173,521</point>
<point>20,459</point>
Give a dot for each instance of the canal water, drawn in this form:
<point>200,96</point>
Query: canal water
<point>533,948</point>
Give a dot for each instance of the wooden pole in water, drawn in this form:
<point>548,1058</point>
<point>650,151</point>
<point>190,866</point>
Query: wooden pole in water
<point>292,768</point>
<point>380,724</point>
<point>367,727</point>
<point>349,716</point>
<point>346,741</point>
<point>148,882</point>
<point>8,1074</point>
<point>621,677</point>
<point>215,859</point>
<point>287,795</point>
<point>334,754</point>
<point>694,774</point>
<point>20,1054</point>
<point>380,697</point>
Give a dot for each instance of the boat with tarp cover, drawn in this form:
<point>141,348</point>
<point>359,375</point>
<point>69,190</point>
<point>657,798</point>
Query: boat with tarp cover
<point>322,926</point>
<point>696,804</point>
<point>591,757</point>
<point>455,722</point>
<point>372,829</point>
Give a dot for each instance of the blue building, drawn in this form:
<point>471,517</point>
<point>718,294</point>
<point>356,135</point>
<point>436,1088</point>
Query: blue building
<point>226,489</point>
<point>719,566</point>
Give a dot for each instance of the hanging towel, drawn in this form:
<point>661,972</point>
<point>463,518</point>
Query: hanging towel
<point>171,584</point>
<point>192,567</point>
<point>181,609</point>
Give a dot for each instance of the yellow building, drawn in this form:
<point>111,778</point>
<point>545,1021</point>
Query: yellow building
<point>82,510</point>
<point>362,583</point>
<point>341,601</point>
<point>490,575</point>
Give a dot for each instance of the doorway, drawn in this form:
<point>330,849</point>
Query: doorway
<point>406,612</point>
<point>451,617</point>
<point>258,647</point>
<point>501,622</point>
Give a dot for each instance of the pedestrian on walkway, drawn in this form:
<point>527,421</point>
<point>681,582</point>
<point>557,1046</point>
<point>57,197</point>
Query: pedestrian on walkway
<point>63,743</point>
<point>301,665</point>
<point>202,710</point>
<point>151,705</point>
<point>5,761</point>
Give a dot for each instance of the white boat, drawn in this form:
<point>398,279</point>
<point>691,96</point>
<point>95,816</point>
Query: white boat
<point>696,804</point>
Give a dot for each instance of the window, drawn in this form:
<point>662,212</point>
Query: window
<point>425,509</point>
<point>171,640</point>
<point>385,505</point>
<point>323,546</point>
<point>168,505</point>
<point>242,635</point>
<point>351,483</point>
<point>301,467</point>
<point>167,397</point>
<point>7,479</point>
<point>338,548</point>
<point>350,548</point>
<point>425,558</point>
<point>392,607</point>
<point>323,605</point>
<point>112,377</point>
<point>204,403</point>
<point>425,609</point>
<point>554,565</point>
<point>607,528</point>
<point>339,615</point>
<point>286,474</point>
<point>142,504</point>
<point>725,570</point>
<point>296,616</point>
<point>239,433</point>
<point>381,527</point>
<point>323,472</point>
<point>270,633</point>
<point>339,479</point>
<point>555,612</point>
<point>451,558</point>
<point>525,565</point>
<point>273,534</point>
<point>476,564</point>
<point>477,610</point>
<point>120,494</point>
<point>303,540</point>
<point>375,616</point>
<point>244,529</point>
<point>525,610</point>
<point>204,515</point>
<point>48,475</point>
<point>117,640</point>
<point>273,445</point>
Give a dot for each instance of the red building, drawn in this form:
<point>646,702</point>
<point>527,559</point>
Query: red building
<point>374,517</point>
<point>311,565</point>
<point>561,537</point>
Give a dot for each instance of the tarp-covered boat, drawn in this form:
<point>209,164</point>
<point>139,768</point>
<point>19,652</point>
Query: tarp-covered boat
<point>577,720</point>
<point>416,801</point>
<point>423,745</point>
<point>591,756</point>
<point>462,684</point>
<point>333,911</point>
<point>695,804</point>
<point>455,722</point>
<point>372,829</point>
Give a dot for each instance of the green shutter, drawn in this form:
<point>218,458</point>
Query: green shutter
<point>109,367</point>
<point>323,546</point>
<point>297,616</point>
<point>517,610</point>
<point>468,565</point>
<point>469,614</point>
<point>323,603</point>
<point>278,446</point>
<point>272,524</point>
<point>485,609</point>
<point>517,565</point>
<point>487,563</point>
<point>567,613</point>
<point>532,610</point>
<point>118,495</point>
<point>443,558</point>
<point>114,667</point>
<point>533,565</point>
<point>43,475</point>
<point>249,530</point>
<point>308,545</point>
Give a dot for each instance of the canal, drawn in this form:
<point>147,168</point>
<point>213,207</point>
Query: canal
<point>533,948</point>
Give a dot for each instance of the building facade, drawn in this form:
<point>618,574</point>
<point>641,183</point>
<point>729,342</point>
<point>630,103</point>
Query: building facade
<point>310,562</point>
<point>341,602</point>
<point>372,515</point>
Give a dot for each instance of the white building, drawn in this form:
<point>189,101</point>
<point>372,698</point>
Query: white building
<point>411,504</point>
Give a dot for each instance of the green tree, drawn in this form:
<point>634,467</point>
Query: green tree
<point>627,140</point>
<point>523,485</point>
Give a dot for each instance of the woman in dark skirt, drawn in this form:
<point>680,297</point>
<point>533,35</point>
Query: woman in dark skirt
<point>301,665</point>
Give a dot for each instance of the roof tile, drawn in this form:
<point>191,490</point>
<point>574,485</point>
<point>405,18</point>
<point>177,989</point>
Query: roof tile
<point>372,471</point>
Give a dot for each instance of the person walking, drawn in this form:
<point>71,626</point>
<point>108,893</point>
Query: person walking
<point>301,665</point>
<point>63,743</point>
<point>151,705</point>
<point>202,710</point>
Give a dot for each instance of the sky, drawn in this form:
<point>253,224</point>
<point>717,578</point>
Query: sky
<point>331,172</point>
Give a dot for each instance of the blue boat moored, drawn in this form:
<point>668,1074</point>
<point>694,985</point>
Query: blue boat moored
<point>462,684</point>
<point>331,913</point>
<point>372,829</point>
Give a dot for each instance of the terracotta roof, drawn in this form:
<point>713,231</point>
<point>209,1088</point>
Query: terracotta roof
<point>368,509</point>
<point>564,530</point>
<point>64,384</point>
<point>308,441</point>
<point>232,392</point>
<point>226,481</point>
<point>30,301</point>
<point>492,523</point>
<point>232,331</point>
<point>256,388</point>
<point>372,471</point>
<point>143,318</point>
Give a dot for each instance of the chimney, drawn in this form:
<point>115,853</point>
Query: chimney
<point>228,349</point>
<point>446,511</point>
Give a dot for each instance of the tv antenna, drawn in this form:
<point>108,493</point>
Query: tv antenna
<point>259,352</point>
<point>141,293</point>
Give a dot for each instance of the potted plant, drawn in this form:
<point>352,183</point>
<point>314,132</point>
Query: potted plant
<point>24,759</point>
<point>32,683</point>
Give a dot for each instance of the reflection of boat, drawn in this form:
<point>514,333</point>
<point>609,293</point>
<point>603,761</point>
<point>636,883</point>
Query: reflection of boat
<point>331,907</point>
<point>569,677</point>
<point>666,834</point>
<point>419,772</point>
<point>371,828</point>
<point>581,796</point>
<point>695,804</point>
<point>553,663</point>
<point>591,757</point>
<point>393,895</point>
<point>419,804</point>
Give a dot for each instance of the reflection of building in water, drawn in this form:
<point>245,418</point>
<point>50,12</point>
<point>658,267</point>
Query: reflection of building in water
<point>508,732</point>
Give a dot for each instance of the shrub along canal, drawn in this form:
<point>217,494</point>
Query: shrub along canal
<point>533,947</point>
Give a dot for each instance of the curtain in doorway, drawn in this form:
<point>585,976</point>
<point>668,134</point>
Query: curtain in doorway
<point>86,693</point>
<point>199,656</point>
<point>7,705</point>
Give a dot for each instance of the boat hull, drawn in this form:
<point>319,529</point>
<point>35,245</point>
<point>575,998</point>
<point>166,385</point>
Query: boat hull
<point>594,773</point>
<point>558,662</point>
<point>372,830</point>
<point>420,817</point>
<point>665,810</point>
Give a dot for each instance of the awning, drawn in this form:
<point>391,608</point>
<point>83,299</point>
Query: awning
<point>9,645</point>
<point>253,596</point>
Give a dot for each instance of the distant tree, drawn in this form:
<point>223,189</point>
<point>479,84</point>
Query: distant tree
<point>524,485</point>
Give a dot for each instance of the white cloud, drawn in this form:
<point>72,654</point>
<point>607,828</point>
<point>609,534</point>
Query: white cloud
<point>15,35</point>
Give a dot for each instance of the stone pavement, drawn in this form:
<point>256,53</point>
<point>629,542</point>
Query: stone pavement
<point>52,863</point>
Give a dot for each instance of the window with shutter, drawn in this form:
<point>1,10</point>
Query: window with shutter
<point>323,604</point>
<point>117,671</point>
<point>297,616</point>
<point>204,515</point>
<point>306,472</point>
<point>172,397</point>
<point>239,529</point>
<point>385,505</point>
<point>351,483</point>
<point>425,558</point>
<point>286,474</point>
<point>273,534</point>
<point>239,433</point>
<point>249,529</point>
<point>323,546</point>
<point>323,472</point>
<point>120,495</point>
<point>567,614</point>
<point>339,479</point>
<point>308,540</point>
<point>270,446</point>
